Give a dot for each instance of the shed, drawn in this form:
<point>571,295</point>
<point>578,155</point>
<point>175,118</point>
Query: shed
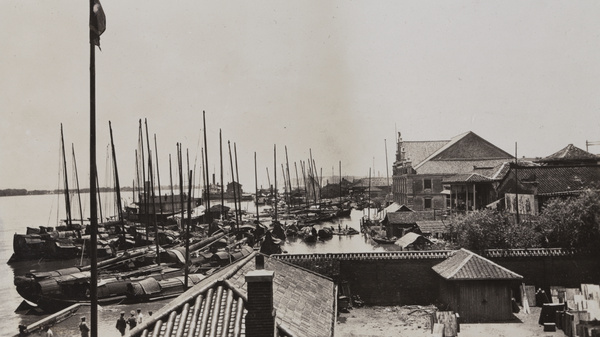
<point>476,288</point>
<point>418,242</point>
<point>436,229</point>
<point>399,223</point>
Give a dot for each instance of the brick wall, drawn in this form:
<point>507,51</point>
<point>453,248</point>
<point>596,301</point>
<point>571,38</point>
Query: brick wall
<point>401,278</point>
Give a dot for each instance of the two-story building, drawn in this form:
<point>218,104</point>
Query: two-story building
<point>421,167</point>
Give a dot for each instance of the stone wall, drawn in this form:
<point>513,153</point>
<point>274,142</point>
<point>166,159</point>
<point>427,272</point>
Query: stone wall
<point>401,278</point>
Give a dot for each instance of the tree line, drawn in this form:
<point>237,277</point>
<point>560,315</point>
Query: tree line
<point>572,223</point>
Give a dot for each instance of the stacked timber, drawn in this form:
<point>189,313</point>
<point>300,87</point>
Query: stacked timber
<point>581,316</point>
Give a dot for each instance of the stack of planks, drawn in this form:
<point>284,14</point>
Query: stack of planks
<point>582,315</point>
<point>444,324</point>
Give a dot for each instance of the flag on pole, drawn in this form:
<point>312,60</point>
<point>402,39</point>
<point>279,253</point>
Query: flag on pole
<point>97,23</point>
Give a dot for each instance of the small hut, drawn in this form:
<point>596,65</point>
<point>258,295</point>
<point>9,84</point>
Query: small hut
<point>476,288</point>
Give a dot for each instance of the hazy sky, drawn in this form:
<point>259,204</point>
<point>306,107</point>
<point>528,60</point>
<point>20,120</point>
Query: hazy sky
<point>337,77</point>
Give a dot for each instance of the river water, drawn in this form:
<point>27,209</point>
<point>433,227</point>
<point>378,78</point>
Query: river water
<point>19,212</point>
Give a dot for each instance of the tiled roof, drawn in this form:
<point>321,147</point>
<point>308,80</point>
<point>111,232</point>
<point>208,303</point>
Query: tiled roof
<point>553,180</point>
<point>570,153</point>
<point>467,178</point>
<point>534,252</point>
<point>467,146</point>
<point>410,238</point>
<point>432,226</point>
<point>402,217</point>
<point>466,265</point>
<point>417,151</point>
<point>456,166</point>
<point>304,304</point>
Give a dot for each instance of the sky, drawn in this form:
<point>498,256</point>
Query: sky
<point>335,78</point>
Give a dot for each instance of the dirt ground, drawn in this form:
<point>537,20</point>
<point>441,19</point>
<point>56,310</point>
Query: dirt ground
<point>414,321</point>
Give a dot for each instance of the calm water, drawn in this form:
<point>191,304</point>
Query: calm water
<point>18,213</point>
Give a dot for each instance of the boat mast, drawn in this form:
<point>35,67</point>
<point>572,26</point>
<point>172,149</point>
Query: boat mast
<point>143,165</point>
<point>289,180</point>
<point>117,185</point>
<point>78,191</point>
<point>150,174</point>
<point>239,190</point>
<point>233,184</point>
<point>297,180</point>
<point>187,232</point>
<point>171,182</point>
<point>206,167</point>
<point>275,175</point>
<point>158,181</point>
<point>180,163</point>
<point>67,199</point>
<point>222,187</point>
<point>256,188</point>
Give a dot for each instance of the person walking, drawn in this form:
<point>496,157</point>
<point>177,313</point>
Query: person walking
<point>132,321</point>
<point>121,324</point>
<point>84,328</point>
<point>140,316</point>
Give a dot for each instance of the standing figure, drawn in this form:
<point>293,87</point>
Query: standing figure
<point>140,316</point>
<point>132,321</point>
<point>84,328</point>
<point>121,324</point>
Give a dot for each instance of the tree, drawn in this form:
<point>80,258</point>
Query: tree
<point>572,222</point>
<point>487,229</point>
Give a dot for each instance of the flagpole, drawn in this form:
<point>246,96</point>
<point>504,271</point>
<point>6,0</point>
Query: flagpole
<point>93,212</point>
<point>96,28</point>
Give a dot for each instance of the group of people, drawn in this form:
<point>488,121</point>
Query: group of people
<point>132,321</point>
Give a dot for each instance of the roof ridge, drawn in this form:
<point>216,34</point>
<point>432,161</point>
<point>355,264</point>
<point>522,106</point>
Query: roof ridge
<point>462,264</point>
<point>495,264</point>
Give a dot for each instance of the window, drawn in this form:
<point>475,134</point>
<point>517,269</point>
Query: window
<point>427,203</point>
<point>427,184</point>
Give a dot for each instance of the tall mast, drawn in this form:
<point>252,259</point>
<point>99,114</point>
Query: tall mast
<point>143,165</point>
<point>222,187</point>
<point>239,194</point>
<point>180,163</point>
<point>233,184</point>
<point>206,167</point>
<point>67,198</point>
<point>158,181</point>
<point>152,195</point>
<point>171,182</point>
<point>289,180</point>
<point>117,185</point>
<point>275,175</point>
<point>297,180</point>
<point>256,188</point>
<point>77,181</point>
<point>187,232</point>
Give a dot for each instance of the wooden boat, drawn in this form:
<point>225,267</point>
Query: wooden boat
<point>325,233</point>
<point>382,240</point>
<point>151,289</point>
<point>57,292</point>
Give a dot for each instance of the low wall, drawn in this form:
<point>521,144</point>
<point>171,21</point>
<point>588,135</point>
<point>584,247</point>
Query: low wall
<point>407,277</point>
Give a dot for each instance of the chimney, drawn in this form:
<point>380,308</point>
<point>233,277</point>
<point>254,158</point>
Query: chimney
<point>260,319</point>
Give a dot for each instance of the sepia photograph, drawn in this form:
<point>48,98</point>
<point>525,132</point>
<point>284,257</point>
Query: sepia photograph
<point>300,168</point>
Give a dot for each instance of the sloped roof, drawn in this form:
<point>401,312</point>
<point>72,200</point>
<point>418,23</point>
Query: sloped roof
<point>570,153</point>
<point>432,226</point>
<point>417,151</point>
<point>467,178</point>
<point>561,179</point>
<point>304,302</point>
<point>456,166</point>
<point>396,207</point>
<point>410,238</point>
<point>466,146</point>
<point>398,218</point>
<point>466,265</point>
